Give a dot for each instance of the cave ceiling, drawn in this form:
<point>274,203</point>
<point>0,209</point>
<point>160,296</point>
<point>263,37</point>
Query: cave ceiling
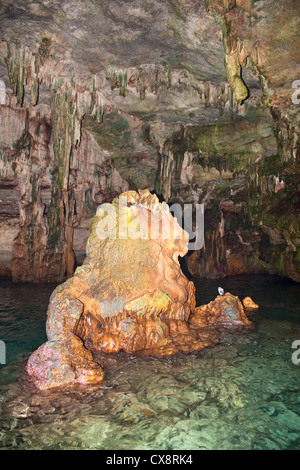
<point>116,33</point>
<point>180,41</point>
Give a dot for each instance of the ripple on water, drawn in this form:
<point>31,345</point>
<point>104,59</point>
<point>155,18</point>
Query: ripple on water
<point>241,394</point>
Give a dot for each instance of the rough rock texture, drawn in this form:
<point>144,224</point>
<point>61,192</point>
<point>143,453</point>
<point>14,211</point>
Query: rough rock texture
<point>195,99</point>
<point>225,311</point>
<point>63,359</point>
<point>34,198</point>
<point>249,305</point>
<point>130,294</point>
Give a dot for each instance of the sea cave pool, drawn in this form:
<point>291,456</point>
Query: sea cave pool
<point>242,394</point>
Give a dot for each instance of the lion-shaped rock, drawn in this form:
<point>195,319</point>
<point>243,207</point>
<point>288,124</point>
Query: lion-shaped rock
<point>130,294</point>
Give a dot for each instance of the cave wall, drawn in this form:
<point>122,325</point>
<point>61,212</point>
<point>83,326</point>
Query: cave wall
<point>250,192</point>
<point>189,99</point>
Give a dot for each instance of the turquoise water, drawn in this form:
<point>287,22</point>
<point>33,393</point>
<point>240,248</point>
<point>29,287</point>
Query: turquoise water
<point>241,394</point>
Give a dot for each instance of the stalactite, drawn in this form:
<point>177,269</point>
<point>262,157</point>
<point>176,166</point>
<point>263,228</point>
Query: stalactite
<point>48,234</point>
<point>29,254</point>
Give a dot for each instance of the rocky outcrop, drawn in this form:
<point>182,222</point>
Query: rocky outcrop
<point>249,305</point>
<point>130,294</point>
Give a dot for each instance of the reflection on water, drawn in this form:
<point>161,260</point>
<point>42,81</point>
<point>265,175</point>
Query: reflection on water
<point>241,394</point>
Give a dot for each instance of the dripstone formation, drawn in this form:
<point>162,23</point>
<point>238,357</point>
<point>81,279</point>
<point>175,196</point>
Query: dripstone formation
<point>129,295</point>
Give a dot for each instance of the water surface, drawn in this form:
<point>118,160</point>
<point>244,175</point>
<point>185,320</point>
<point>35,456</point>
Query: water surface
<point>241,394</point>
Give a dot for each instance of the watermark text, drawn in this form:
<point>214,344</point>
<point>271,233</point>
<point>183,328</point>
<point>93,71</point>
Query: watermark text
<point>2,352</point>
<point>296,354</point>
<point>156,222</point>
<point>2,92</point>
<point>296,94</point>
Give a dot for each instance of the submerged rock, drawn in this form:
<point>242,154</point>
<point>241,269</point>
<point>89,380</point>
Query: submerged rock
<point>130,294</point>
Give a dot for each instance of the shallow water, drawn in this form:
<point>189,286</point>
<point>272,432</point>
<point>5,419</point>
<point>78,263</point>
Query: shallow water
<point>241,394</point>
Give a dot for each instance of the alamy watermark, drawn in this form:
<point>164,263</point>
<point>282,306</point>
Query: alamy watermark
<point>2,92</point>
<point>296,94</point>
<point>296,354</point>
<point>2,352</point>
<point>135,221</point>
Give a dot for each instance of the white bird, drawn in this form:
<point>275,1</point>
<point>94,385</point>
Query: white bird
<point>221,291</point>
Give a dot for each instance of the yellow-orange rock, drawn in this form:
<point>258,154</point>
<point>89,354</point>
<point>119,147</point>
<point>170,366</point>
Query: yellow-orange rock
<point>130,294</point>
<point>249,305</point>
<point>225,311</point>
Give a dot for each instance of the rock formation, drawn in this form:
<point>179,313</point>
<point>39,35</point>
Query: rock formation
<point>130,294</point>
<point>249,305</point>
